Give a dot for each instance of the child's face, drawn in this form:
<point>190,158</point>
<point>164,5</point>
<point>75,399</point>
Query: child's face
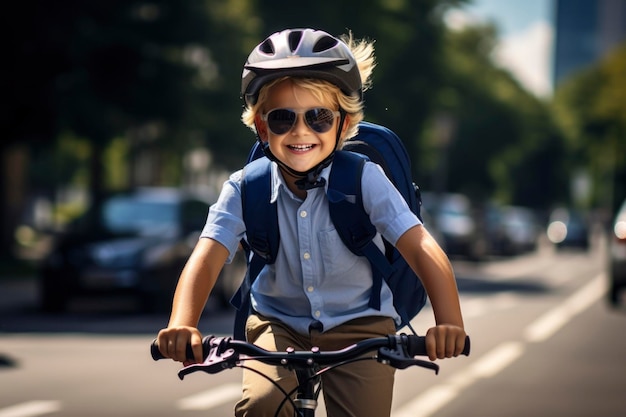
<point>301,147</point>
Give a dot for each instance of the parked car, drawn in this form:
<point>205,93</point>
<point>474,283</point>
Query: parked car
<point>519,229</point>
<point>568,229</point>
<point>454,219</point>
<point>617,256</point>
<point>133,242</point>
<point>431,226</point>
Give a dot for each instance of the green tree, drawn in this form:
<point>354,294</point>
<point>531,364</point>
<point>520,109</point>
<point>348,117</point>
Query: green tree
<point>590,109</point>
<point>504,145</point>
<point>408,38</point>
<point>101,70</point>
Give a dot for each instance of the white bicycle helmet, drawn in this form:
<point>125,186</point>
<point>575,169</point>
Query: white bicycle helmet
<point>305,53</point>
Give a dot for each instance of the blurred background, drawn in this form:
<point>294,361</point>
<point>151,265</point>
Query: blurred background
<point>510,110</point>
<point>121,119</point>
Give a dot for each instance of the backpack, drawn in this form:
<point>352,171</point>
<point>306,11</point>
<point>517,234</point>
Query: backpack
<point>375,143</point>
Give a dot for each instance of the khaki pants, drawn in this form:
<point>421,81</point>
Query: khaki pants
<point>360,389</point>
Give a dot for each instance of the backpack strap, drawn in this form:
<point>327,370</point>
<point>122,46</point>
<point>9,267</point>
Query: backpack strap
<point>350,219</point>
<point>256,189</point>
<point>262,238</point>
<point>256,152</point>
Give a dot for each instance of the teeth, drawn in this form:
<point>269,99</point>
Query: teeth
<point>301,147</point>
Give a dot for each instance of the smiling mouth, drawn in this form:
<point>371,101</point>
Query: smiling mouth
<point>300,148</point>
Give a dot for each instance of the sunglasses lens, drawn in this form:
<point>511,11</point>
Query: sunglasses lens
<point>320,119</point>
<point>280,121</point>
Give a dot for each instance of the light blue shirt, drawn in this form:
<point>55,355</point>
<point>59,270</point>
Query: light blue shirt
<point>315,277</point>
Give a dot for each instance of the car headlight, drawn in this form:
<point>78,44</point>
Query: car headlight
<point>557,232</point>
<point>620,230</point>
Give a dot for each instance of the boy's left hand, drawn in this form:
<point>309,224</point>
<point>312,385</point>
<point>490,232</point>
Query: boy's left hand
<point>445,341</point>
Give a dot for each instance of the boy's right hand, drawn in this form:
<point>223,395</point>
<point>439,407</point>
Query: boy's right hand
<point>173,342</point>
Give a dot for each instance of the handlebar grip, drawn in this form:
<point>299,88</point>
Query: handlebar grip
<point>155,352</point>
<point>206,348</point>
<point>416,346</point>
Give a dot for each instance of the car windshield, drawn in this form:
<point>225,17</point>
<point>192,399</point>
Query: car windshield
<point>124,214</point>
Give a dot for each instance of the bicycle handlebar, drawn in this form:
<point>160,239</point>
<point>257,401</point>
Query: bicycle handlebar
<point>220,353</point>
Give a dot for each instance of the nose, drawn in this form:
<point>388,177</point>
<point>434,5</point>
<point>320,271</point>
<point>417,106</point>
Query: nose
<point>300,126</point>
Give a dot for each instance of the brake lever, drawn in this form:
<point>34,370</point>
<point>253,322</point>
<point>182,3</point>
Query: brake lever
<point>216,361</point>
<point>400,359</point>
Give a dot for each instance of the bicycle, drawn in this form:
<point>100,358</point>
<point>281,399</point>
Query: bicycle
<point>221,353</point>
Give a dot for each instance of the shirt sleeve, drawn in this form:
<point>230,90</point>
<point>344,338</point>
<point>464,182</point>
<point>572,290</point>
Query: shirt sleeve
<point>387,209</point>
<point>225,220</point>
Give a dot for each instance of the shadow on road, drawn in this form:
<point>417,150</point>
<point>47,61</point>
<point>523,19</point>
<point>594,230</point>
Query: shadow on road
<point>101,316</point>
<point>480,285</point>
<point>19,312</point>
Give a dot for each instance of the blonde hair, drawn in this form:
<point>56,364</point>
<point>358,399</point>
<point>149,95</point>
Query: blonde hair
<point>363,52</point>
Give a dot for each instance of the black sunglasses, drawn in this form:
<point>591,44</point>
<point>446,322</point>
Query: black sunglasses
<point>318,119</point>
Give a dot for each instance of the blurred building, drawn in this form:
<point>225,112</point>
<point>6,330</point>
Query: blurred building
<point>585,31</point>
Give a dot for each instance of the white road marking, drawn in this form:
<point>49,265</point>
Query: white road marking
<point>487,366</point>
<point>31,409</point>
<point>496,360</point>
<point>551,322</point>
<point>429,402</point>
<point>503,355</point>
<point>436,397</point>
<point>210,398</point>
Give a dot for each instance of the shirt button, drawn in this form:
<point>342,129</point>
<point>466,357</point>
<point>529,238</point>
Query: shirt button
<point>318,314</point>
<point>303,213</point>
<point>310,289</point>
<point>306,255</point>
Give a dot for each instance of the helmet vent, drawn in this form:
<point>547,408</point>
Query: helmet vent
<point>267,47</point>
<point>324,43</point>
<point>294,40</point>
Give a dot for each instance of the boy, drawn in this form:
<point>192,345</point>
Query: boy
<point>303,98</point>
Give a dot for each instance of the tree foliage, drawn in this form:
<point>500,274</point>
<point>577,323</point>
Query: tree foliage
<point>100,70</point>
<point>408,36</point>
<point>95,86</point>
<point>504,145</point>
<point>589,107</point>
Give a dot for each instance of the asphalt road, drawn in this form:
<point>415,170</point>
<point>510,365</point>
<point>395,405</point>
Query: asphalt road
<point>544,343</point>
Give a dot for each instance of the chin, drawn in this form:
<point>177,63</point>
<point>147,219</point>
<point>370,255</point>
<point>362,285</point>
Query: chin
<point>300,166</point>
